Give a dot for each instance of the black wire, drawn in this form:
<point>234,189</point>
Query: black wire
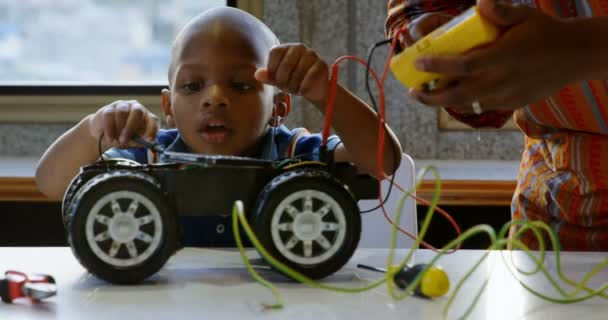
<point>414,11</point>
<point>370,54</point>
<point>99,146</point>
<point>309,154</point>
<point>149,145</point>
<point>373,101</point>
<point>336,146</point>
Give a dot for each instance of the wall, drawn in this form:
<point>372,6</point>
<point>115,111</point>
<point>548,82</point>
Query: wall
<point>334,28</point>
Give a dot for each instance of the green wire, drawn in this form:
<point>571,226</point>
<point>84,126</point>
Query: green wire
<point>237,212</point>
<point>498,242</point>
<point>238,217</point>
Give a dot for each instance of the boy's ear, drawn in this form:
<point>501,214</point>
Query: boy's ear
<point>165,96</point>
<point>281,108</point>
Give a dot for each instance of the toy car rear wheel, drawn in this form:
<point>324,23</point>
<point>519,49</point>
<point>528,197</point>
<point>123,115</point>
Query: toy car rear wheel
<point>121,229</point>
<point>309,222</point>
<point>75,184</point>
<point>79,180</point>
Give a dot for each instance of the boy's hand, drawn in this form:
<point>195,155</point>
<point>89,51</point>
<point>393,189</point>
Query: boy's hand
<point>119,121</point>
<point>297,69</point>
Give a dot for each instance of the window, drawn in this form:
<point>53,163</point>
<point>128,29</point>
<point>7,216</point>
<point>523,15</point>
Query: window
<point>84,42</point>
<point>63,59</point>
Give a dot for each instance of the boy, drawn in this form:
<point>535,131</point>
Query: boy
<point>224,73</point>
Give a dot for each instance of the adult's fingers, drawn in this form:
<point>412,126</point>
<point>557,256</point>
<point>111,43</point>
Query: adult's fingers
<point>426,24</point>
<point>464,94</point>
<point>504,14</point>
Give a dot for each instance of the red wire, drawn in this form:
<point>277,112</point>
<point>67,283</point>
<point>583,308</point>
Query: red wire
<point>333,86</point>
<point>437,208</point>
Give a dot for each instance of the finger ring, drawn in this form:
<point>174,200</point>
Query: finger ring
<point>476,107</point>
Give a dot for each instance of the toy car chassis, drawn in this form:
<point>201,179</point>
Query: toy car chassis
<point>122,217</point>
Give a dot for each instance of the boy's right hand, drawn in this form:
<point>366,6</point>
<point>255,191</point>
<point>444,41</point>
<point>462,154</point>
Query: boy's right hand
<point>120,120</point>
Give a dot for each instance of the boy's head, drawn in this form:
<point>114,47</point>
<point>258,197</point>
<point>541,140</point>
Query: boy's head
<point>213,98</point>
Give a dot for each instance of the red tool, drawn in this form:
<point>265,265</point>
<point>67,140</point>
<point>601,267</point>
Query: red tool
<point>17,285</point>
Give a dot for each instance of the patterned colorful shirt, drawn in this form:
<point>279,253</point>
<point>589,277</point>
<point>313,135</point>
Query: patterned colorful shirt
<point>563,178</point>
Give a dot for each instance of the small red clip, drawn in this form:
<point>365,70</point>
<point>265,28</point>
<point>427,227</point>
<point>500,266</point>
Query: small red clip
<point>17,285</point>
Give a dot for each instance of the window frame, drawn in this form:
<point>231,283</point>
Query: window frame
<point>22,103</point>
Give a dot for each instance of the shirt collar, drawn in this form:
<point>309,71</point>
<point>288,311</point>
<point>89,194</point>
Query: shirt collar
<point>266,149</point>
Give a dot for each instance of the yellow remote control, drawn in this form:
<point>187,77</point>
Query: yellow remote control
<point>462,33</point>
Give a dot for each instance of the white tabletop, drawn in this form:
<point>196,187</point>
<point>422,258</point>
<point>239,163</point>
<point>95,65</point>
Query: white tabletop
<point>213,284</point>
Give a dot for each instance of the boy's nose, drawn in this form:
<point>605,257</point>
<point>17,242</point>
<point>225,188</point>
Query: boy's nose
<point>215,97</point>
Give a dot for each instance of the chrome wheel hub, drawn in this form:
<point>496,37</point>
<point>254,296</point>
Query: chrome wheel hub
<point>124,228</point>
<point>308,227</point>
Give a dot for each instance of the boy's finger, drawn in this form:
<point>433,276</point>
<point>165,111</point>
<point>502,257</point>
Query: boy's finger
<point>134,124</point>
<point>152,125</point>
<point>109,125</point>
<point>121,115</point>
<point>274,59</point>
<point>302,69</point>
<point>262,75</point>
<point>286,66</point>
<point>310,79</point>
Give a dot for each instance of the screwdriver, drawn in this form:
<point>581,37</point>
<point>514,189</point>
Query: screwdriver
<point>149,144</point>
<point>434,282</point>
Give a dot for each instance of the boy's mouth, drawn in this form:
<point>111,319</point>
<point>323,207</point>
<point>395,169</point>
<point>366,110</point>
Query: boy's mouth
<point>215,132</point>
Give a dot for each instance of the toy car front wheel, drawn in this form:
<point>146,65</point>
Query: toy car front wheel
<point>310,222</point>
<point>121,229</point>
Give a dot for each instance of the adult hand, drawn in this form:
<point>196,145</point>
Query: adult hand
<point>422,26</point>
<point>528,62</point>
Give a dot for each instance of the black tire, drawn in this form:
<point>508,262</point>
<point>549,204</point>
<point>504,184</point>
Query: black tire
<point>83,177</point>
<point>76,183</point>
<point>120,236</point>
<point>324,192</point>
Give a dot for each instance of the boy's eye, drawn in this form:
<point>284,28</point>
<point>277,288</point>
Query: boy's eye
<point>192,86</point>
<point>241,86</point>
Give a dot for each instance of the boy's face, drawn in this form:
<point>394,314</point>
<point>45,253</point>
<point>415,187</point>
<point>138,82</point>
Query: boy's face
<point>215,101</point>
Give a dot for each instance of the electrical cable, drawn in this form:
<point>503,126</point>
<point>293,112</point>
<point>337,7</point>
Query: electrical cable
<point>499,242</point>
<point>382,128</point>
<point>99,146</point>
<point>373,102</point>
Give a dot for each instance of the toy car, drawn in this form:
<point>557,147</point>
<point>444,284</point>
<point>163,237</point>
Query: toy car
<point>122,220</point>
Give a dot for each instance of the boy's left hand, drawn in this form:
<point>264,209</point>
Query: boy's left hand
<point>297,69</point>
